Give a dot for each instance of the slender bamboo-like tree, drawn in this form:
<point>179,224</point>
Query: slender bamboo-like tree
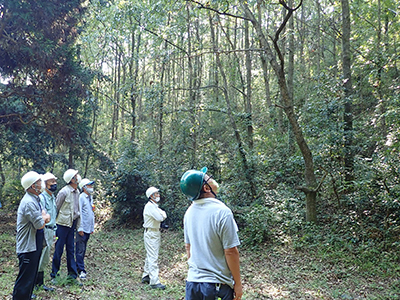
<point>225,89</point>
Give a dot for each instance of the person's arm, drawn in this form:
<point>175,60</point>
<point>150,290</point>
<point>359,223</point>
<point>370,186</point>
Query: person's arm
<point>187,246</point>
<point>157,213</point>
<point>36,216</point>
<point>82,218</point>
<point>232,259</point>
<point>60,199</point>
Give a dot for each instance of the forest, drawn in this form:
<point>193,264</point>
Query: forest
<point>291,104</point>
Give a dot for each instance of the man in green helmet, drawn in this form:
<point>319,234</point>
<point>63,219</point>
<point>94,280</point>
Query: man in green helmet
<point>211,241</point>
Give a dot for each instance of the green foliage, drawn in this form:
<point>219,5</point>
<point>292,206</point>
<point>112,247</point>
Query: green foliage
<point>336,244</point>
<point>272,220</point>
<point>128,185</point>
<point>259,225</point>
<point>12,193</point>
<point>45,84</point>
<point>181,121</point>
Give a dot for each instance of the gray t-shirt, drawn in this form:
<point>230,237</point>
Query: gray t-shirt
<point>209,228</point>
<point>29,219</point>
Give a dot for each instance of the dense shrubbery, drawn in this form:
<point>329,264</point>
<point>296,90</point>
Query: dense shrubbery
<point>369,215</point>
<point>127,187</point>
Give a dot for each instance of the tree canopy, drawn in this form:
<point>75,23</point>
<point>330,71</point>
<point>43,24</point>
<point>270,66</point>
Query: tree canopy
<point>292,105</point>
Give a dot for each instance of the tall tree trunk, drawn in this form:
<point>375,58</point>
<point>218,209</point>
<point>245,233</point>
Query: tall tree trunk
<point>380,66</point>
<point>318,49</point>
<point>264,66</point>
<point>309,175</point>
<point>70,157</point>
<point>114,122</point>
<point>2,176</point>
<point>242,153</point>
<point>249,118</point>
<point>134,74</point>
<point>192,96</point>
<point>134,83</point>
<point>290,78</point>
<point>161,102</point>
<point>348,91</point>
<point>117,94</point>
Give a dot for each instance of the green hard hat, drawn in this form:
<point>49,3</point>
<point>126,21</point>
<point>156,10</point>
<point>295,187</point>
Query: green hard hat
<point>192,182</point>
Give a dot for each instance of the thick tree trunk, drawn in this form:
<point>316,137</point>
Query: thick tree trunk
<point>287,102</point>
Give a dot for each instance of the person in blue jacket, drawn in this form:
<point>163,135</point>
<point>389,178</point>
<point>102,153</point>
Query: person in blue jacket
<point>86,227</point>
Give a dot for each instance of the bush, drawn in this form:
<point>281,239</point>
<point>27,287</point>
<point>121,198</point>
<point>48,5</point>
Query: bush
<point>11,194</point>
<point>259,225</point>
<point>273,218</point>
<point>127,187</point>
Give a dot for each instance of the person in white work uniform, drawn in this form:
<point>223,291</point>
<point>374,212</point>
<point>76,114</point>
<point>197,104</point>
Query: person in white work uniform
<point>152,216</point>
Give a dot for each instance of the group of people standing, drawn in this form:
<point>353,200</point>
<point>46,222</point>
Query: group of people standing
<point>211,240</point>
<point>44,219</point>
<point>210,235</point>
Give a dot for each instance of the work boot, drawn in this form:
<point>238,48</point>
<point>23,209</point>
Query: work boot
<point>40,283</point>
<point>47,289</point>
<point>158,286</point>
<point>146,279</point>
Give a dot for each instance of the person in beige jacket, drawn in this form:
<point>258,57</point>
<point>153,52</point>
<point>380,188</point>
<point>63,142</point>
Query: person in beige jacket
<point>67,222</point>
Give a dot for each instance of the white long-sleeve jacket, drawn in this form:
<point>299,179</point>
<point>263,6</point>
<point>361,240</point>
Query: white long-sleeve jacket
<point>153,215</point>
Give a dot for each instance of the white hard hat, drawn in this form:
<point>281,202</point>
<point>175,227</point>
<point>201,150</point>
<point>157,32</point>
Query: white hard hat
<point>69,174</point>
<point>48,176</point>
<point>84,182</point>
<point>151,190</point>
<point>29,178</point>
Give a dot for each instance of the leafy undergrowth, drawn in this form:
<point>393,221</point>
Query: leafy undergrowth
<point>115,259</point>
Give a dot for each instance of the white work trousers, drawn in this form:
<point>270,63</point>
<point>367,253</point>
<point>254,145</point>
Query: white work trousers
<point>152,240</point>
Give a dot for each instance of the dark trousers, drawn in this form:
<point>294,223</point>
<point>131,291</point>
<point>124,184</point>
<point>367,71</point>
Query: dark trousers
<point>28,268</point>
<point>207,291</point>
<point>65,236</point>
<point>80,250</point>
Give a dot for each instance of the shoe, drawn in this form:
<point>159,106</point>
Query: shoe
<point>158,286</point>
<point>47,289</point>
<point>146,279</point>
<point>82,275</point>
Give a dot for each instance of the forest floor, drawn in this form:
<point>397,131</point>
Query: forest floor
<point>115,259</point>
